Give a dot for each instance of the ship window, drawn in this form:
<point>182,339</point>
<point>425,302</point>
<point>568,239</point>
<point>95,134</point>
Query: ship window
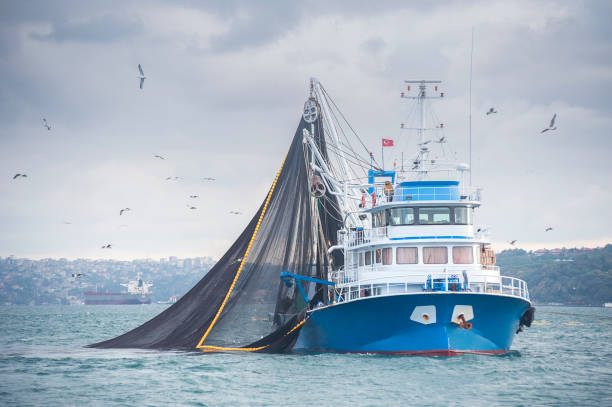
<point>407,255</point>
<point>463,255</point>
<point>434,216</point>
<point>361,259</point>
<point>435,255</point>
<point>378,256</point>
<point>368,258</point>
<point>387,256</point>
<point>378,219</point>
<point>463,215</point>
<point>401,216</point>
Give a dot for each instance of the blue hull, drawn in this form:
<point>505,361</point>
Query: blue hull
<point>392,324</point>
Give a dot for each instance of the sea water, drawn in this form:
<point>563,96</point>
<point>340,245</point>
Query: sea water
<point>565,358</point>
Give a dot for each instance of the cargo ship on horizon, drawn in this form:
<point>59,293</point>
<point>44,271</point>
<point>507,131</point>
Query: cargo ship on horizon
<point>138,292</point>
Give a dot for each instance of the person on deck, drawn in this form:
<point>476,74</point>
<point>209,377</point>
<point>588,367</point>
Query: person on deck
<point>388,188</point>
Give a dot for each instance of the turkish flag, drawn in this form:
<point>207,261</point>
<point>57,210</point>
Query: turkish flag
<point>387,142</point>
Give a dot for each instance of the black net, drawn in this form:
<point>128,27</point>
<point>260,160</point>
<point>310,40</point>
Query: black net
<point>241,302</point>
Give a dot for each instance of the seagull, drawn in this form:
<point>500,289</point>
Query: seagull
<point>512,242</point>
<point>235,212</point>
<point>193,196</point>
<point>551,126</point>
<point>159,156</point>
<point>208,179</point>
<point>173,178</point>
<point>441,140</point>
<point>491,110</point>
<point>124,210</point>
<point>107,246</point>
<point>548,229</point>
<point>46,124</point>
<point>20,175</point>
<point>141,76</point>
<point>191,207</point>
<point>77,275</point>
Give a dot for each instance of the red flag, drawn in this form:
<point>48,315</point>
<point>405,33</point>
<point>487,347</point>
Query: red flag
<point>387,142</point>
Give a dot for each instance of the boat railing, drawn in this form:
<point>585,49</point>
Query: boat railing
<point>351,273</point>
<point>433,193</point>
<point>356,237</point>
<point>447,282</point>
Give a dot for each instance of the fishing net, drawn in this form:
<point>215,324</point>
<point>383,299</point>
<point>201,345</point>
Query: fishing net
<point>241,303</point>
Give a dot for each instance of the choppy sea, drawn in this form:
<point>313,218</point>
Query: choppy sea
<point>564,359</point>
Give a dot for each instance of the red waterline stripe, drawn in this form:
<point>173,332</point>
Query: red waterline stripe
<point>433,352</point>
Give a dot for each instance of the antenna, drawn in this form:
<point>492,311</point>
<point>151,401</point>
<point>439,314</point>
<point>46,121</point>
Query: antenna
<point>421,98</point>
<point>470,119</point>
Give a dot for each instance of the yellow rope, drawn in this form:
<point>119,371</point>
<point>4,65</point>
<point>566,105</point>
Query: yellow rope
<point>208,348</point>
<point>244,258</point>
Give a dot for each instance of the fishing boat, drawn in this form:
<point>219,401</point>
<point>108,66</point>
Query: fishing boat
<point>344,255</point>
<point>418,277</point>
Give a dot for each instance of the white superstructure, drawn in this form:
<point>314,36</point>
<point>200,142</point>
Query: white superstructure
<point>407,230</point>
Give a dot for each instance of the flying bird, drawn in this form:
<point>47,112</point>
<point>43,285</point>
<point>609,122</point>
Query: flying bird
<point>46,124</point>
<point>441,140</point>
<point>512,242</point>
<point>491,111</point>
<point>20,175</point>
<point>141,76</point>
<point>191,207</point>
<point>67,223</point>
<point>235,212</point>
<point>551,126</point>
<point>124,210</point>
<point>159,156</point>
<point>548,229</point>
<point>77,275</point>
<point>208,179</point>
<point>193,196</point>
<point>107,246</point>
<point>173,178</point>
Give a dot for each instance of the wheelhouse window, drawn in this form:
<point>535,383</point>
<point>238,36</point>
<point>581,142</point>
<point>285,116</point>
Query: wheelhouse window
<point>378,256</point>
<point>434,216</point>
<point>435,255</point>
<point>368,258</point>
<point>387,256</point>
<point>407,255</point>
<point>463,215</point>
<point>401,216</point>
<point>361,259</point>
<point>378,219</point>
<point>463,255</point>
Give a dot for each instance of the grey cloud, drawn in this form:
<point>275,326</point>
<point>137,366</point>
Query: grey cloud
<point>105,28</point>
<point>255,24</point>
<point>373,45</point>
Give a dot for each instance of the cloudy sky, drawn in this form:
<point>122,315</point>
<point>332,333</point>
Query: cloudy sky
<point>225,88</point>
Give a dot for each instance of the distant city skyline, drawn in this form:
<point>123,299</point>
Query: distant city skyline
<point>226,82</point>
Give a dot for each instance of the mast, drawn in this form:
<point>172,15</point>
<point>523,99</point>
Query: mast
<point>470,118</point>
<point>421,98</point>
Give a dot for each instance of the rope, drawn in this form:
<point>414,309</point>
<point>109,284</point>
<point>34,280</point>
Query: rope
<point>209,348</point>
<point>244,258</point>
